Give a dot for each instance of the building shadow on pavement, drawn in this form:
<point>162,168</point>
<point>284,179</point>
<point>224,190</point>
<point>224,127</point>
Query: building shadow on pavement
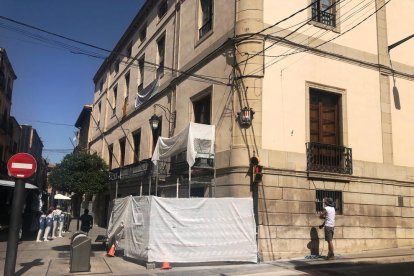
<point>359,268</point>
<point>27,266</point>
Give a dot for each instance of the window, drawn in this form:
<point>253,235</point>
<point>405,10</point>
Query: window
<point>155,134</point>
<point>137,145</point>
<point>324,117</point>
<point>116,66</point>
<point>129,51</point>
<point>115,98</point>
<point>325,151</point>
<point>202,110</point>
<point>99,112</point>
<point>127,79</point>
<point>141,63</point>
<point>162,9</point>
<point>161,56</point>
<point>101,83</point>
<point>9,88</point>
<point>205,21</point>
<point>323,11</point>
<point>143,33</point>
<point>122,152</point>
<point>110,155</point>
<point>336,197</point>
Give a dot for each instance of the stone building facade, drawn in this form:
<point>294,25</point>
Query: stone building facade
<point>331,101</point>
<point>7,77</point>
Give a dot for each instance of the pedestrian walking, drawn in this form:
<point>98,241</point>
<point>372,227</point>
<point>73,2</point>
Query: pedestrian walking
<point>86,221</point>
<point>329,224</point>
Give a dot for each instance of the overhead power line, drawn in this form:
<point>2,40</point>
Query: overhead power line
<point>309,49</point>
<point>77,50</point>
<point>275,24</point>
<point>290,33</point>
<point>330,40</point>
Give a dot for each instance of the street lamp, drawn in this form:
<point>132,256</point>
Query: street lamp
<point>155,120</point>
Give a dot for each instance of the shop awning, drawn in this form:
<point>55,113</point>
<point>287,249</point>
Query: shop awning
<point>60,196</point>
<point>9,183</point>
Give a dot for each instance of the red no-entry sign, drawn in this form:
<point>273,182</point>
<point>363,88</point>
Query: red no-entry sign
<point>22,165</point>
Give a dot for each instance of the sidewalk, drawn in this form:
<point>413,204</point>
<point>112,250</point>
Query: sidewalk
<point>52,258</point>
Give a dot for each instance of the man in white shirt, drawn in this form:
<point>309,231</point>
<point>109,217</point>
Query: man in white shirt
<point>329,224</point>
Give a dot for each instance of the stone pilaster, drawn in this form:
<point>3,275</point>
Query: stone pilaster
<point>384,79</point>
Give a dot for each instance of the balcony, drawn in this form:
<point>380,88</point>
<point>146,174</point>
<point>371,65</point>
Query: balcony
<point>328,158</point>
<point>140,169</point>
<point>324,17</point>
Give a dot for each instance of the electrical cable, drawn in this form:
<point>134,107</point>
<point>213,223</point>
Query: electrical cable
<point>327,41</point>
<point>34,36</point>
<point>292,32</point>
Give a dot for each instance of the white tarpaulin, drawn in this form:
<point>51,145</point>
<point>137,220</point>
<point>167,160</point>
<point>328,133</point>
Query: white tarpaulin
<point>185,230</point>
<point>197,139</point>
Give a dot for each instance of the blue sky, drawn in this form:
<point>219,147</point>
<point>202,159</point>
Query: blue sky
<point>53,84</point>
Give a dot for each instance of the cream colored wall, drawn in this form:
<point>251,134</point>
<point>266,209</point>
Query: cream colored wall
<point>284,119</point>
<point>400,24</point>
<point>223,22</point>
<point>402,124</point>
<point>349,14</point>
<point>221,101</point>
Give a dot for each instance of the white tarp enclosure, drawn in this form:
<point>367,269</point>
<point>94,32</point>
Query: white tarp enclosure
<point>185,230</point>
<point>197,139</point>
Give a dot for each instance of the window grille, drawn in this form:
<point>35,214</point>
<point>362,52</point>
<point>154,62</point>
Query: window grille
<point>323,11</point>
<point>336,197</point>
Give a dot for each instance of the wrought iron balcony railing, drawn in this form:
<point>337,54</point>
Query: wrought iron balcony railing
<point>328,158</point>
<point>140,169</point>
<point>324,17</point>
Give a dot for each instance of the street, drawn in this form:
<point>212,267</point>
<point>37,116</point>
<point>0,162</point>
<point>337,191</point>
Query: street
<point>53,258</point>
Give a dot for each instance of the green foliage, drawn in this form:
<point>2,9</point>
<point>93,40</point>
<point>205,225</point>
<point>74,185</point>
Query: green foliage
<point>81,173</point>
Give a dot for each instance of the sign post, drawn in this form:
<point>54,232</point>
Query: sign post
<point>21,166</point>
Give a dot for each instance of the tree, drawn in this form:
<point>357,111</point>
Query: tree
<point>80,173</point>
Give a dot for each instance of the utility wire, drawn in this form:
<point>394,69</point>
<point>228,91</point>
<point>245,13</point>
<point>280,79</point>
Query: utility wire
<point>308,44</point>
<point>98,48</point>
<point>292,32</point>
<point>275,24</point>
<point>314,48</point>
<point>328,31</point>
<point>322,34</point>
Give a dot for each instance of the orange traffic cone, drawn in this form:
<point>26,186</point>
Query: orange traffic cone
<point>166,265</point>
<point>111,252</point>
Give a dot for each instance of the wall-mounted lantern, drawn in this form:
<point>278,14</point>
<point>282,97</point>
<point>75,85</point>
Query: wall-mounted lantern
<point>155,120</point>
<point>245,117</point>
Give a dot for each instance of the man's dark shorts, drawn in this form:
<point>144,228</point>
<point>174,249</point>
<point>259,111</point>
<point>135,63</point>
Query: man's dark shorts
<point>329,233</point>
